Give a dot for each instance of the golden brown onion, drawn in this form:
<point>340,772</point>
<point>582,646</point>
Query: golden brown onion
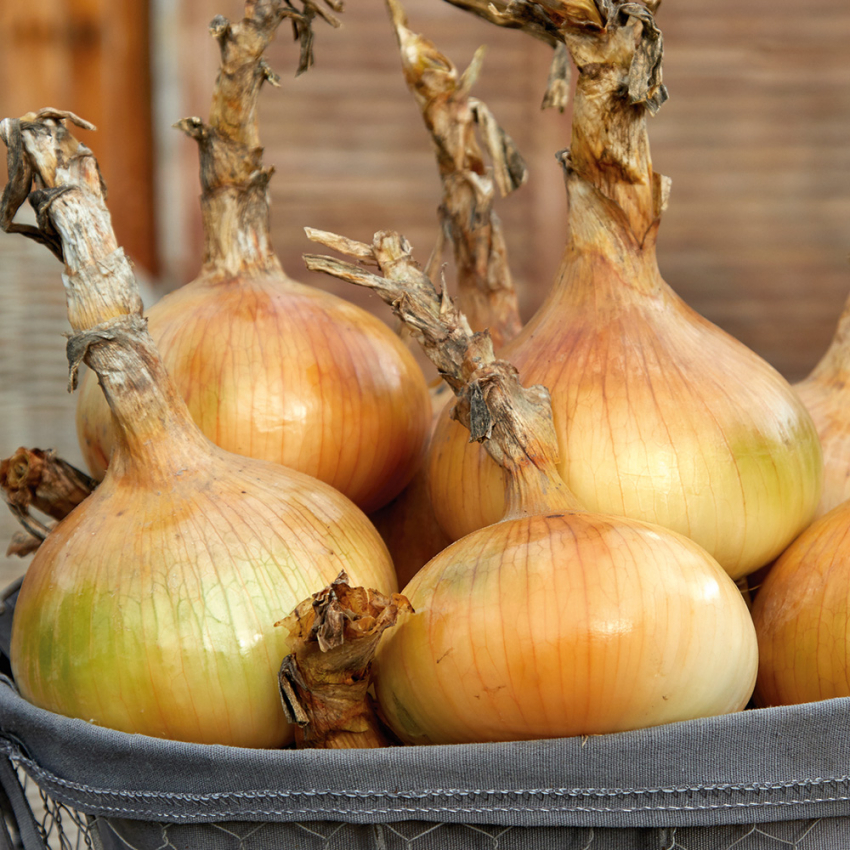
<point>554,621</point>
<point>661,416</point>
<point>151,607</point>
<point>826,394</point>
<point>802,617</point>
<point>271,368</point>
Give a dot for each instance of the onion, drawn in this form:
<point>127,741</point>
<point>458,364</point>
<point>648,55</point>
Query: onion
<point>802,617</point>
<point>661,416</point>
<point>555,621</point>
<point>271,368</point>
<point>826,394</point>
<point>151,607</point>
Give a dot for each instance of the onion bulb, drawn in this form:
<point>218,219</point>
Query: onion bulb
<point>661,416</point>
<point>269,367</point>
<point>151,607</point>
<point>802,616</point>
<point>826,394</point>
<point>554,621</point>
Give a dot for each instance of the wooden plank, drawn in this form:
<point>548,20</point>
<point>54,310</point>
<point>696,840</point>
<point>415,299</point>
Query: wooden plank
<point>92,57</point>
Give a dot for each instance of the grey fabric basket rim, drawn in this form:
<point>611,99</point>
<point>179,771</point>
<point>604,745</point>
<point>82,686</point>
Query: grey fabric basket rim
<point>756,766</point>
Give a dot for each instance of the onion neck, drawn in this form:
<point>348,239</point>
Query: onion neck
<point>610,144</point>
<point>515,425</point>
<point>234,183</point>
<point>154,428</point>
<point>535,488</point>
<point>237,239</point>
<point>615,197</point>
<point>154,433</point>
<point>832,368</point>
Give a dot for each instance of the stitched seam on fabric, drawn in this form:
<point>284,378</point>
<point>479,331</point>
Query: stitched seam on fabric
<point>107,811</point>
<point>38,772</point>
<point>176,797</point>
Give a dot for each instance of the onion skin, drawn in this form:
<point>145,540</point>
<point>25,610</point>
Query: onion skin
<point>282,372</point>
<point>151,607</point>
<point>117,625</point>
<point>268,367</point>
<point>661,416</point>
<point>802,617</point>
<point>554,621</point>
<point>826,394</point>
<point>545,627</point>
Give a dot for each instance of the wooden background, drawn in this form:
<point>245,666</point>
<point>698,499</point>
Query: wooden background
<point>756,138</point>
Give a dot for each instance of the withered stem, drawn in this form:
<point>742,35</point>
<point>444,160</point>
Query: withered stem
<point>513,422</point>
<point>617,48</point>
<point>33,478</point>
<point>234,184</point>
<point>39,479</point>
<point>486,293</point>
<point>324,681</point>
<point>104,306</point>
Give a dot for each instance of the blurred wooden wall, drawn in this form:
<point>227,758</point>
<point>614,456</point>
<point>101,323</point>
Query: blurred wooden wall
<point>91,57</point>
<point>756,138</point>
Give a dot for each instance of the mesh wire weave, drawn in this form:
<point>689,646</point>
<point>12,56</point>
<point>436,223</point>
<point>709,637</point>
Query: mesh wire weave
<point>62,828</point>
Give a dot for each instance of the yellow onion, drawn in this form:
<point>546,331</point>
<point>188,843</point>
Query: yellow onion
<point>555,621</point>
<point>151,607</point>
<point>269,367</point>
<point>661,416</point>
<point>802,616</point>
<point>826,394</point>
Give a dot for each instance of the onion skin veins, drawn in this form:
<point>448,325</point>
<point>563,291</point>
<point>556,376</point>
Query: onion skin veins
<point>271,368</point>
<point>279,371</point>
<point>554,621</point>
<point>546,627</point>
<point>802,617</point>
<point>151,607</point>
<point>111,627</point>
<point>662,417</point>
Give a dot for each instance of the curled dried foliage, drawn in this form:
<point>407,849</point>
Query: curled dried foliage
<point>324,681</point>
<point>35,478</point>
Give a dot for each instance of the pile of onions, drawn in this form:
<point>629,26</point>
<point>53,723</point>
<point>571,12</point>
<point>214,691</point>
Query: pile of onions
<point>151,607</point>
<point>826,394</point>
<point>268,367</point>
<point>661,416</point>
<point>554,621</point>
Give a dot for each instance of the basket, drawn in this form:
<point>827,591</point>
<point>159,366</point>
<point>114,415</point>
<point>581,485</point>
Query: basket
<point>773,779</point>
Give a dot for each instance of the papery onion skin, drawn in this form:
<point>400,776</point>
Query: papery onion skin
<point>279,371</point>
<point>661,417</point>
<point>112,628</point>
<point>802,617</point>
<point>562,625</point>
